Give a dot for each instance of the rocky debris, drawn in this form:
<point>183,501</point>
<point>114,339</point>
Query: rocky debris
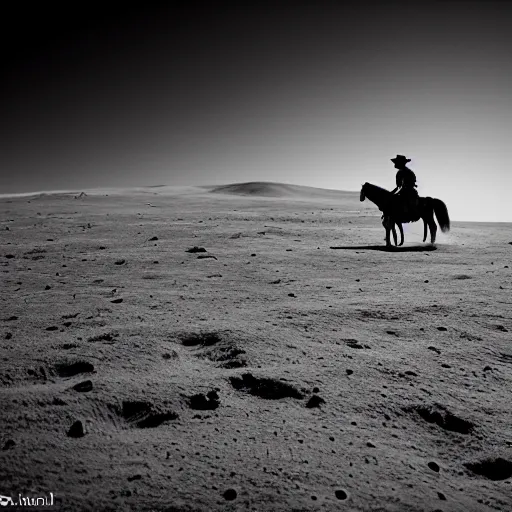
<point>144,415</point>
<point>442,329</point>
<point>8,335</point>
<point>492,468</point>
<point>119,262</point>
<point>196,249</point>
<point>170,355</point>
<point>203,339</point>
<point>10,319</point>
<point>153,239</point>
<point>77,429</point>
<point>355,344</point>
<point>116,301</point>
<point>52,328</point>
<point>270,389</point>
<point>75,368</point>
<point>83,387</point>
<point>434,349</point>
<point>442,417</point>
<point>105,336</point>
<point>206,256</point>
<point>205,403</point>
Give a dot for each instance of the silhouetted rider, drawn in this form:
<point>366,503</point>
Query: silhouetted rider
<point>406,187</point>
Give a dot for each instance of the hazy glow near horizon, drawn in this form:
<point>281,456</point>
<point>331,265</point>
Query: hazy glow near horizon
<point>320,96</point>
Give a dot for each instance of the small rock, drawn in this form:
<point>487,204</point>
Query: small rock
<point>230,495</point>
<point>8,335</point>
<point>349,372</point>
<point>134,477</point>
<point>315,401</point>
<point>196,249</point>
<point>120,262</point>
<point>9,444</point>
<point>370,444</point>
<point>433,466</point>
<point>341,494</point>
<point>52,328</point>
<point>116,301</point>
<point>442,329</point>
<point>153,239</point>
<point>316,389</point>
<point>291,295</point>
<point>47,287</point>
<point>441,496</point>
<point>83,387</point>
<point>77,429</point>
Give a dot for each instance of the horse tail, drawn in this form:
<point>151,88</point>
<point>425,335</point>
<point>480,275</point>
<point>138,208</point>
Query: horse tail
<point>441,211</point>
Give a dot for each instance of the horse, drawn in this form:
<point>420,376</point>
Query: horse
<point>393,214</point>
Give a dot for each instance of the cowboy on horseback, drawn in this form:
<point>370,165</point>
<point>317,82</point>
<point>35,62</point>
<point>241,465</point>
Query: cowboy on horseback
<point>406,189</point>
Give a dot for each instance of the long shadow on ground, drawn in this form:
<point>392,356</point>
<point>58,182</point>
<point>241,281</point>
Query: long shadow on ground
<point>411,248</point>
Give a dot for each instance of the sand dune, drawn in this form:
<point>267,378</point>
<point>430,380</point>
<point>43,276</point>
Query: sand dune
<point>270,189</point>
<point>228,351</point>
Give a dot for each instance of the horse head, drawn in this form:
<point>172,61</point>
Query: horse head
<point>362,195</point>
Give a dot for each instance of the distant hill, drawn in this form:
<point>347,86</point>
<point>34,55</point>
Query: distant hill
<point>271,189</point>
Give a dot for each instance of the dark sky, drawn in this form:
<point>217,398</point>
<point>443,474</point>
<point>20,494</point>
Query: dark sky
<point>313,93</point>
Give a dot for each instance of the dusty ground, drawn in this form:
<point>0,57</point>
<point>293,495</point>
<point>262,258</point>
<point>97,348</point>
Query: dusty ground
<point>198,371</point>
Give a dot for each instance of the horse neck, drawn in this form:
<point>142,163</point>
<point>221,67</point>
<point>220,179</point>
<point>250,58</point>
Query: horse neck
<point>377,195</point>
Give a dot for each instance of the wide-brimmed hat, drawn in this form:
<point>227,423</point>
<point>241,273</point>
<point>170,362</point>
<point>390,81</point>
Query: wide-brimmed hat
<point>400,159</point>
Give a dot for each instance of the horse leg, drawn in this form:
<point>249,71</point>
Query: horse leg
<point>424,230</point>
<point>400,227</point>
<point>433,230</point>
<point>388,224</point>
<point>394,234</point>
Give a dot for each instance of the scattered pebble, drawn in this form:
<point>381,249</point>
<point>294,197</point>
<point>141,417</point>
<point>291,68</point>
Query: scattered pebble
<point>116,301</point>
<point>120,262</point>
<point>442,329</point>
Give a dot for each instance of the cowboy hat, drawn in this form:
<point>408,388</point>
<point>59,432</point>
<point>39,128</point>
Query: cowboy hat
<point>400,159</point>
